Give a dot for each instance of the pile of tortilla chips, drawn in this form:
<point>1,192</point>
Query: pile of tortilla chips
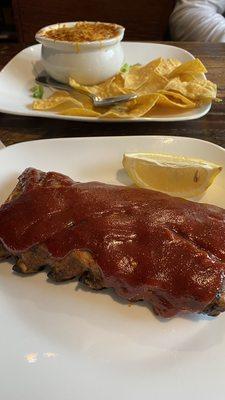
<point>164,86</point>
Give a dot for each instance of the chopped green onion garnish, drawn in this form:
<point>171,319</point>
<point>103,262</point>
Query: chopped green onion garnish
<point>37,91</point>
<point>125,68</point>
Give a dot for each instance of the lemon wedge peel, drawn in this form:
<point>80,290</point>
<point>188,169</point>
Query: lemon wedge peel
<point>172,174</point>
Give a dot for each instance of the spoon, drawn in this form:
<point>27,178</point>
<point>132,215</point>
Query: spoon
<point>46,80</point>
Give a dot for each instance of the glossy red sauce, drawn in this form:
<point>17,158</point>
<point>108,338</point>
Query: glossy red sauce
<point>148,245</point>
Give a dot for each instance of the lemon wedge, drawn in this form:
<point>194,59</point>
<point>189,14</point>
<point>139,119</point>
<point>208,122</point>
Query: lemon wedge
<point>176,175</point>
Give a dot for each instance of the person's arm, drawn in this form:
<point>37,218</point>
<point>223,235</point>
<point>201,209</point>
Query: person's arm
<point>198,20</point>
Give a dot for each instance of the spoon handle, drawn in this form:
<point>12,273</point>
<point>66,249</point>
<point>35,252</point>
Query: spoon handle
<point>97,101</point>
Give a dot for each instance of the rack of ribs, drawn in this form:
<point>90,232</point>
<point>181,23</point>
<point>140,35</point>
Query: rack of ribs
<point>144,244</point>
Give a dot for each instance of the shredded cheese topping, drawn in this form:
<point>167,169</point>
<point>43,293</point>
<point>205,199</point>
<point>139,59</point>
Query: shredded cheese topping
<point>84,32</point>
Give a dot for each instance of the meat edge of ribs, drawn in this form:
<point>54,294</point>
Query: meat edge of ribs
<point>78,264</point>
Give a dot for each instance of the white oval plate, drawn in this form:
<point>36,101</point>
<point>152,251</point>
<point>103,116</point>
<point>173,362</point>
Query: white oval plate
<point>66,342</point>
<point>17,78</point>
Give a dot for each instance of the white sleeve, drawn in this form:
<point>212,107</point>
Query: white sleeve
<point>198,20</point>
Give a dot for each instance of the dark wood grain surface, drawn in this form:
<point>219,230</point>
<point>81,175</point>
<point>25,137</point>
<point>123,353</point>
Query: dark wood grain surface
<point>15,129</point>
<point>143,19</point>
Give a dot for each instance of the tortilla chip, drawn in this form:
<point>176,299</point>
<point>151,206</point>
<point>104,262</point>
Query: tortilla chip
<point>134,108</point>
<point>136,77</point>
<point>81,112</point>
<point>193,67</point>
<point>196,90</point>
<point>57,103</point>
<point>165,67</point>
<point>111,87</point>
<point>163,86</point>
<point>171,99</point>
<point>154,83</point>
<point>59,93</point>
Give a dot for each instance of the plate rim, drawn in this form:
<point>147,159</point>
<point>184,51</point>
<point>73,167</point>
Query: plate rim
<point>93,138</point>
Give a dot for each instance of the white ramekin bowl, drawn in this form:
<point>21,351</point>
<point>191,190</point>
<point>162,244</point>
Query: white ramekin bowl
<point>89,63</point>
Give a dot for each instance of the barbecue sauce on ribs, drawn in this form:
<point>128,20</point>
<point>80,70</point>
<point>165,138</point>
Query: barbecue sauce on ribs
<point>148,245</point>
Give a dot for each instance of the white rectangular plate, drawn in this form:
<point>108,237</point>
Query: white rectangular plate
<point>17,78</point>
<point>65,342</point>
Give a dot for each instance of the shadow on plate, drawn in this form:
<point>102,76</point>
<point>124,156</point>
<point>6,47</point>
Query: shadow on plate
<point>123,178</point>
<point>7,186</point>
<point>74,319</point>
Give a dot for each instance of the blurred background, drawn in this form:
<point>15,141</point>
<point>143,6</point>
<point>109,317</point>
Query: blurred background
<point>7,23</point>
<point>143,19</point>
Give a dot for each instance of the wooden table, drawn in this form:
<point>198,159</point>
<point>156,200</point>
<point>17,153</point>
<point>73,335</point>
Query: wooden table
<point>15,129</point>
